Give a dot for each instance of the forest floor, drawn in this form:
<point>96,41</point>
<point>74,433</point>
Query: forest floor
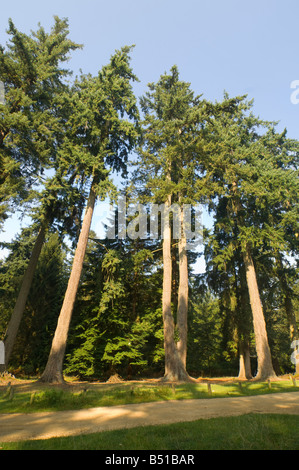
<point>44,425</point>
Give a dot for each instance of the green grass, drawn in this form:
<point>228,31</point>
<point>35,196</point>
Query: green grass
<point>56,399</point>
<point>247,432</point>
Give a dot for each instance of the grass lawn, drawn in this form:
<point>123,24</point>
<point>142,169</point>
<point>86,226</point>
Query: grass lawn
<point>51,398</point>
<point>247,432</point>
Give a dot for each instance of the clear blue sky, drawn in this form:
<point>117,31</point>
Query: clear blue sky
<point>234,45</point>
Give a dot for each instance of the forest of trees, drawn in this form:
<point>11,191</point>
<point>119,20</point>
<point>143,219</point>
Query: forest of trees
<point>72,304</point>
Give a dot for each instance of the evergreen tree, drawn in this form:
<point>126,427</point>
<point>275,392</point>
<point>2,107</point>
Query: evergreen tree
<point>117,318</point>
<point>249,180</point>
<point>205,340</point>
<point>42,308</point>
<point>169,164</point>
<point>104,132</point>
<point>33,78</point>
<point>31,130</point>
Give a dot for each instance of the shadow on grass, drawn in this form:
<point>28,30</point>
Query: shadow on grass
<point>247,432</point>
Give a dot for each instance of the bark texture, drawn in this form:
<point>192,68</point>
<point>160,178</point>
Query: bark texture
<point>182,312</point>
<point>174,367</point>
<point>244,362</point>
<point>265,368</point>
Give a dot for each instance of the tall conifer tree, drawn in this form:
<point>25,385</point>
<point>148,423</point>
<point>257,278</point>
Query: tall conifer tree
<point>30,131</point>
<point>104,132</point>
<point>246,170</point>
<point>170,161</point>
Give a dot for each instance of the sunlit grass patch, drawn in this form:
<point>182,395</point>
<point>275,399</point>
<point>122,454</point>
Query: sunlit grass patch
<point>56,399</point>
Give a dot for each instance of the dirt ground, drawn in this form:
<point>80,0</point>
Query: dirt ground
<point>45,425</point>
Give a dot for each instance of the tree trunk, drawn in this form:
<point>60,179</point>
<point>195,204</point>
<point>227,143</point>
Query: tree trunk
<point>243,325</point>
<point>53,372</point>
<point>244,361</point>
<point>16,317</point>
<point>265,368</point>
<point>182,311</point>
<point>174,367</point>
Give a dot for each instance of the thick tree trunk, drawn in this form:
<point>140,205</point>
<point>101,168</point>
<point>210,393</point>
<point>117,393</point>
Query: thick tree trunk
<point>168,322</point>
<point>265,368</point>
<point>244,361</point>
<point>182,311</point>
<point>174,367</point>
<point>53,372</point>
<point>243,325</point>
<point>16,317</point>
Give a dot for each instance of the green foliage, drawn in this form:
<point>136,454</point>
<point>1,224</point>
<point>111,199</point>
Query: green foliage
<point>254,170</point>
<point>117,314</point>
<point>205,335</point>
<point>118,320</point>
<point>170,158</point>
<point>12,270</point>
<point>34,83</point>
<point>44,302</point>
<point>57,139</point>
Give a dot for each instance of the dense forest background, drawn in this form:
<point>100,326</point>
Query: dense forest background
<point>64,144</point>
